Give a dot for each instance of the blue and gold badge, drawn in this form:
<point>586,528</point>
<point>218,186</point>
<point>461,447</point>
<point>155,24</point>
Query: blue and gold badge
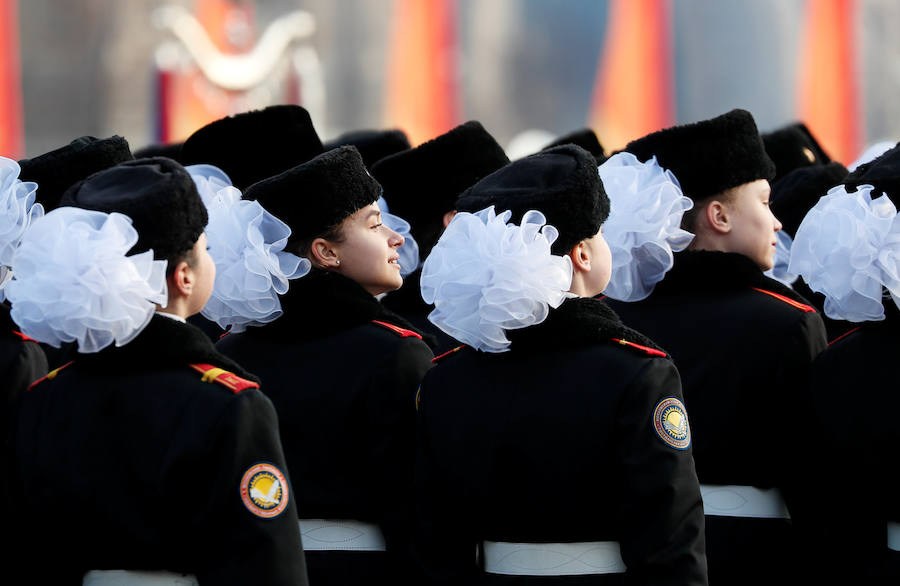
<point>671,423</point>
<point>264,491</point>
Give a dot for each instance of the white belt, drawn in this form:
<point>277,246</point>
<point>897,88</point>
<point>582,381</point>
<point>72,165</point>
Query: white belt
<point>728,500</point>
<point>553,559</point>
<point>893,535</point>
<point>134,578</point>
<point>340,534</point>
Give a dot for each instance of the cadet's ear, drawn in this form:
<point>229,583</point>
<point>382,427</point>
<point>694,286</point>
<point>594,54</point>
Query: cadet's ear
<point>323,255</point>
<point>718,217</point>
<point>581,258</point>
<point>449,216</point>
<point>182,279</point>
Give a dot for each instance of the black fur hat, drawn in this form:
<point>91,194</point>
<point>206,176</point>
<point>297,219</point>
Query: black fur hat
<point>793,146</point>
<point>586,139</point>
<point>422,184</point>
<point>159,196</point>
<point>710,156</point>
<point>319,194</point>
<point>59,169</point>
<point>797,192</point>
<point>255,145</point>
<point>373,145</point>
<point>562,183</point>
<point>883,173</point>
<point>170,151</point>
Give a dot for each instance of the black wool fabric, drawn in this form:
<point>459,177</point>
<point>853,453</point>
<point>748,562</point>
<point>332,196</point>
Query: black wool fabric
<point>797,192</point>
<point>158,195</point>
<point>422,184</point>
<point>254,145</point>
<point>566,433</point>
<point>562,183</point>
<point>793,147</point>
<point>883,173</point>
<point>319,194</point>
<point>170,151</point>
<point>373,145</point>
<point>128,459</point>
<point>586,139</point>
<point>710,156</point>
<point>59,169</point>
<point>407,302</point>
<point>344,388</point>
<point>744,345</point>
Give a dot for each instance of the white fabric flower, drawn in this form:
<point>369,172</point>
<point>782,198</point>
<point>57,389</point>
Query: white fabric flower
<point>486,276</point>
<point>779,270</point>
<point>247,245</point>
<point>17,212</point>
<point>74,282</point>
<point>409,250</point>
<point>643,229</point>
<point>848,247</point>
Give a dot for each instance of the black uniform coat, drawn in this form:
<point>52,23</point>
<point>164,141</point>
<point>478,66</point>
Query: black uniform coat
<point>743,344</point>
<point>127,459</point>
<point>554,441</point>
<point>407,302</point>
<point>344,388</point>
<point>855,387</point>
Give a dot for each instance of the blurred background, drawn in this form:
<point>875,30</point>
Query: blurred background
<point>154,71</point>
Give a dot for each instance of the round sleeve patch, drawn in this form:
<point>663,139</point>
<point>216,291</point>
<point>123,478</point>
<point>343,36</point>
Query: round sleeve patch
<point>671,423</point>
<point>264,491</point>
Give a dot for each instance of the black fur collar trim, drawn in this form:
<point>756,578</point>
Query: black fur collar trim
<point>164,342</point>
<point>577,322</point>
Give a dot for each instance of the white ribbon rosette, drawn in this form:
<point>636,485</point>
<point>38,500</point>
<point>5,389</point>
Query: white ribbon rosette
<point>247,245</point>
<point>486,276</point>
<point>74,282</point>
<point>644,225</point>
<point>17,212</point>
<point>409,250</point>
<point>848,248</point>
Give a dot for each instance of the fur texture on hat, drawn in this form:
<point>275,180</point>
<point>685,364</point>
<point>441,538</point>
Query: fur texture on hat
<point>159,196</point>
<point>586,139</point>
<point>562,183</point>
<point>792,147</point>
<point>59,169</point>
<point>422,184</point>
<point>373,145</point>
<point>317,195</point>
<point>170,151</point>
<point>255,145</point>
<point>883,173</point>
<point>797,192</point>
<point>710,156</point>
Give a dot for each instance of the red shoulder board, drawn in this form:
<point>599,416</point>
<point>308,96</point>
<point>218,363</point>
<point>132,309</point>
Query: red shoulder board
<point>788,300</point>
<point>440,357</point>
<point>225,334</point>
<point>403,333</point>
<point>844,335</point>
<point>227,379</point>
<point>50,375</point>
<point>24,337</point>
<point>645,349</point>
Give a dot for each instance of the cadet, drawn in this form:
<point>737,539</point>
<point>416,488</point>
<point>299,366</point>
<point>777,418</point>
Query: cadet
<point>151,456</point>
<point>342,371</point>
<point>555,442</point>
<point>742,342</point>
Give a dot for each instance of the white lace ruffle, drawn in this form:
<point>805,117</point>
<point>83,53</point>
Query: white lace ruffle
<point>409,250</point>
<point>486,276</point>
<point>643,229</point>
<point>247,245</point>
<point>779,270</point>
<point>848,247</point>
<point>74,282</point>
<point>17,212</point>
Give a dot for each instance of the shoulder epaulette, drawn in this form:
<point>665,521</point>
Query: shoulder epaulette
<point>801,306</point>
<point>645,349</point>
<point>24,337</point>
<point>402,332</point>
<point>227,379</point>
<point>224,334</point>
<point>50,375</point>
<point>440,357</point>
<point>844,335</point>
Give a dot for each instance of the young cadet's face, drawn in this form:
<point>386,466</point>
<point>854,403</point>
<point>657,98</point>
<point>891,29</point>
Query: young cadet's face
<point>601,263</point>
<point>753,224</point>
<point>368,253</point>
<point>204,272</point>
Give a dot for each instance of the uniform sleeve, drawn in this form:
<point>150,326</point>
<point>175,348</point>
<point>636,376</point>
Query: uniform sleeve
<point>252,517</point>
<point>662,517</point>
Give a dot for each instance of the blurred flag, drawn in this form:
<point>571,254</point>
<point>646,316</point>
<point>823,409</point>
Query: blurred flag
<point>633,91</point>
<point>828,95</point>
<point>422,92</point>
<point>12,136</point>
